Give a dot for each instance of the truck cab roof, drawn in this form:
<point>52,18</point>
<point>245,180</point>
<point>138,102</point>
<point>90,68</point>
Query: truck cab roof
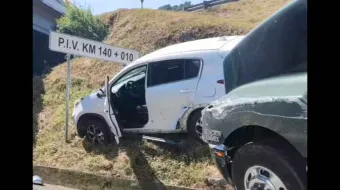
<point>275,47</point>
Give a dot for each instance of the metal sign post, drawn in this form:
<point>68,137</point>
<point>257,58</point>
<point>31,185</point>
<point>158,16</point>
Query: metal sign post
<point>74,45</point>
<point>68,83</point>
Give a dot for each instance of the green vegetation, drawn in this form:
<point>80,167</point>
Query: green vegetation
<point>81,22</point>
<point>179,7</point>
<point>144,30</point>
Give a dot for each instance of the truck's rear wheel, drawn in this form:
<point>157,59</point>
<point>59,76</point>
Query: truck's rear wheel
<point>261,166</point>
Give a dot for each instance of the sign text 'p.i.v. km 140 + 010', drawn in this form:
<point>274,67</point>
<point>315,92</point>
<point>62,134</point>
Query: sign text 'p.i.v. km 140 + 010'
<point>88,48</point>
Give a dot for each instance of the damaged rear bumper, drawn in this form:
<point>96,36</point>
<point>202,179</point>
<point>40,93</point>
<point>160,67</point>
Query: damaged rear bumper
<point>222,161</point>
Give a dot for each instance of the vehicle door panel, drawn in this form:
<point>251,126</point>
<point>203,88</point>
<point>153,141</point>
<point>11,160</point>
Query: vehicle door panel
<point>167,102</point>
<point>109,115</point>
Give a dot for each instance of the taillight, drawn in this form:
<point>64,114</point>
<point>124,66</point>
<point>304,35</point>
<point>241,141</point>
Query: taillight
<point>220,81</point>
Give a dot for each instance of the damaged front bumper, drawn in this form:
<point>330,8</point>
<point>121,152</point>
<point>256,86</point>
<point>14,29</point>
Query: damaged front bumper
<point>218,151</point>
<point>222,161</point>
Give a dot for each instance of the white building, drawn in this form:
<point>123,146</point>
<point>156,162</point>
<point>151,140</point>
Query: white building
<point>45,13</point>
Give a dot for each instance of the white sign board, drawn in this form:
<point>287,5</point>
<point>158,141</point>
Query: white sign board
<point>83,47</point>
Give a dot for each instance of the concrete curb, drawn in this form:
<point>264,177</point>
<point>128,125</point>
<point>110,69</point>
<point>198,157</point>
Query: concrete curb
<point>81,180</point>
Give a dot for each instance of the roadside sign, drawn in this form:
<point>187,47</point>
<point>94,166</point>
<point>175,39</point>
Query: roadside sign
<point>88,48</point>
<point>84,47</point>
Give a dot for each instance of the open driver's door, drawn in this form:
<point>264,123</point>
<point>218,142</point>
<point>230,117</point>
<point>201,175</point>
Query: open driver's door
<point>109,114</point>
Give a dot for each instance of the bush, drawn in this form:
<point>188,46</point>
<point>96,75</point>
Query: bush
<point>80,22</point>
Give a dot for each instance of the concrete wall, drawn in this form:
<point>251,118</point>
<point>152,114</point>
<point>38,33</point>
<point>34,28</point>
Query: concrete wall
<point>45,13</point>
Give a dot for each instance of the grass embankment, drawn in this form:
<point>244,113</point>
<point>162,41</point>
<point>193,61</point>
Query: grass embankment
<point>144,30</point>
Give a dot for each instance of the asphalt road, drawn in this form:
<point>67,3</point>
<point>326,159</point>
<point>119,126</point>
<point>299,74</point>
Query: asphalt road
<point>51,187</point>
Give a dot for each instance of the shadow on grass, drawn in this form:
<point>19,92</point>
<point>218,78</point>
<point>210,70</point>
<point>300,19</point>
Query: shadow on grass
<point>38,91</point>
<point>145,175</point>
<point>139,164</point>
<point>187,150</point>
<point>137,150</point>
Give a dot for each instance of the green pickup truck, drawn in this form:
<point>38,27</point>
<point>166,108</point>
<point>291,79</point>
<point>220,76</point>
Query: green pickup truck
<point>257,132</point>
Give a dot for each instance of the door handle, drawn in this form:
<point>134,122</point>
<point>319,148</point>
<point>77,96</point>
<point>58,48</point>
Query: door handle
<point>186,90</point>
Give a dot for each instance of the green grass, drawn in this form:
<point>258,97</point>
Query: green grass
<point>143,30</point>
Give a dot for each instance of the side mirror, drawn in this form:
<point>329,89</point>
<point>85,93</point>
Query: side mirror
<point>101,93</point>
<point>37,180</point>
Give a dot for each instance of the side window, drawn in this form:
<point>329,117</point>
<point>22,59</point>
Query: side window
<point>130,75</point>
<point>165,71</point>
<point>192,68</point>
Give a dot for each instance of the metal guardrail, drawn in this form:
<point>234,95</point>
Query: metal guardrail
<point>206,5</point>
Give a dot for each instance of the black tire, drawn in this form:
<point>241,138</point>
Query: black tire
<point>286,164</point>
<point>99,126</point>
<point>191,126</point>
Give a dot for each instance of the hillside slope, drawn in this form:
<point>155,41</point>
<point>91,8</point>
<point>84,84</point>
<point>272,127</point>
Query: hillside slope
<point>144,30</point>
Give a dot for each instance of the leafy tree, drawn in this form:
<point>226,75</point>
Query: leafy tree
<point>166,7</point>
<point>81,22</point>
<point>179,7</point>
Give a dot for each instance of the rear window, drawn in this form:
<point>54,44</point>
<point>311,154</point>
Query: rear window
<point>192,68</point>
<point>168,71</point>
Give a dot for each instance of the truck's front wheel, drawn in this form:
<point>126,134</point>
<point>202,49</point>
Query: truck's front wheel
<point>267,166</point>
